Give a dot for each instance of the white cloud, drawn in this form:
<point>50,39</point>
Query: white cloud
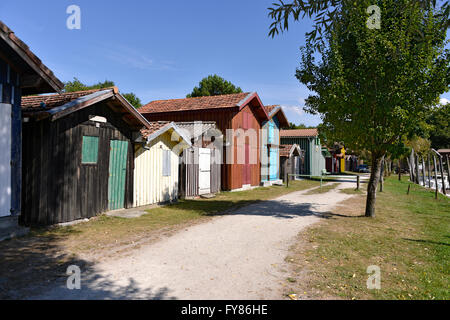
<point>134,58</point>
<point>444,101</point>
<point>297,110</point>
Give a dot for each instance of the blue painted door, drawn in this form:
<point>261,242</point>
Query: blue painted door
<point>273,169</point>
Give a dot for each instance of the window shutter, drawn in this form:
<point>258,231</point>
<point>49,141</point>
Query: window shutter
<point>166,163</point>
<point>89,153</point>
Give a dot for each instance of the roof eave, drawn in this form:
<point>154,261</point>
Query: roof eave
<point>40,70</point>
<point>167,127</point>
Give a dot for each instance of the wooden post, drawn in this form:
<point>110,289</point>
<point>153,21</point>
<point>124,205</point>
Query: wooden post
<point>287,179</point>
<point>442,175</point>
<point>399,170</point>
<point>409,187</point>
<point>357,182</point>
<point>423,171</point>
<point>429,171</point>
<point>435,177</point>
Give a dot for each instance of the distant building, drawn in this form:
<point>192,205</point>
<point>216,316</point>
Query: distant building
<point>309,142</point>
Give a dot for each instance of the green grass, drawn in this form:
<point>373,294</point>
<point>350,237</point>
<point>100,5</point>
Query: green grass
<point>409,239</point>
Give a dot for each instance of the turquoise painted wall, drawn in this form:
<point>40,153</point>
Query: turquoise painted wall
<point>270,163</point>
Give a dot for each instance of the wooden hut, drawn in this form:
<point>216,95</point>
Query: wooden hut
<point>21,73</point>
<point>238,116</point>
<point>309,142</point>
<point>200,164</point>
<point>291,160</point>
<point>156,177</point>
<point>270,145</point>
<point>78,155</point>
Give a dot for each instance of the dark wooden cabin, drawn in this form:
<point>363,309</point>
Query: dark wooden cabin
<point>292,160</point>
<point>21,73</point>
<point>241,155</point>
<point>78,155</point>
<point>199,170</point>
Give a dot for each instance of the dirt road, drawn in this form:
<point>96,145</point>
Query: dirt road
<point>236,256</point>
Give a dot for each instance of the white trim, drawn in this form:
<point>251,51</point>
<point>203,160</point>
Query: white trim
<point>167,127</point>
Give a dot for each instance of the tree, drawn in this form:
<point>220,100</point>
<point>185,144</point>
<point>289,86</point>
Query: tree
<point>77,85</point>
<point>133,99</point>
<point>299,126</point>
<point>439,131</point>
<point>213,85</point>
<point>372,86</point>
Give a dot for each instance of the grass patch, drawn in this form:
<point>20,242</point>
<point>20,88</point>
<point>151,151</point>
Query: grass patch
<point>408,240</point>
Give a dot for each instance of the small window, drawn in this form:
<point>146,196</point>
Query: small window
<point>166,163</point>
<point>89,154</point>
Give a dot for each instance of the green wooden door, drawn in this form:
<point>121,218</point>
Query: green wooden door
<point>117,174</point>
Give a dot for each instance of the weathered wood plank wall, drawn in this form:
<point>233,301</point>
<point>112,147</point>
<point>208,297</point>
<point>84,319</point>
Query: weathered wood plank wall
<point>57,186</point>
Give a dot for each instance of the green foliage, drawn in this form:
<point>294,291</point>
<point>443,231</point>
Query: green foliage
<point>77,85</point>
<point>439,131</point>
<point>299,126</point>
<point>133,99</point>
<point>374,86</point>
<point>213,85</point>
<point>325,13</point>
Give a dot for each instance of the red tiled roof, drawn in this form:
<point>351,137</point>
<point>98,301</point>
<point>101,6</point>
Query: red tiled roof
<point>9,34</point>
<point>154,126</point>
<point>285,149</point>
<point>198,103</point>
<point>30,103</point>
<point>270,108</point>
<point>299,133</point>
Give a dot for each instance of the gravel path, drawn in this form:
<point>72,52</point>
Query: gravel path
<point>237,256</point>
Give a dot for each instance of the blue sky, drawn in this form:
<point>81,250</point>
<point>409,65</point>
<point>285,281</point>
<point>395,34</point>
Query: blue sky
<point>161,49</point>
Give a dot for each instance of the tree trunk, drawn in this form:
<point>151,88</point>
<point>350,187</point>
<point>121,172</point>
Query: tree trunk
<point>382,174</point>
<point>372,186</point>
<point>410,169</point>
<point>399,170</point>
<point>429,171</point>
<point>423,172</point>
<point>417,169</point>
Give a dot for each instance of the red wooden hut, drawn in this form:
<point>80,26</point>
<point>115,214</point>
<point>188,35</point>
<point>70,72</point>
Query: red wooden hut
<point>243,111</point>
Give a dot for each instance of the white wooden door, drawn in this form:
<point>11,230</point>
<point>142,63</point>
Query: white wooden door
<point>204,168</point>
<point>5,159</point>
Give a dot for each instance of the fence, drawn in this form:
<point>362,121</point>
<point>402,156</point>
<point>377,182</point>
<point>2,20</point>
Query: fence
<point>420,172</point>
